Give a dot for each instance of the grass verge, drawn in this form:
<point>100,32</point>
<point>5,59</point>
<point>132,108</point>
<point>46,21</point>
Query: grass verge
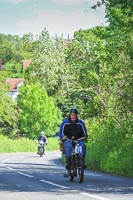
<point>24,145</point>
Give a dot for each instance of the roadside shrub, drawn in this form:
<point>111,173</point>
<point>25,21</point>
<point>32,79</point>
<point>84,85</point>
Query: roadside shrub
<point>110,148</point>
<point>8,145</point>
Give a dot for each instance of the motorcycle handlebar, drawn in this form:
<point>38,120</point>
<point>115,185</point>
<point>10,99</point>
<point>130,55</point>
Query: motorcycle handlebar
<point>80,139</point>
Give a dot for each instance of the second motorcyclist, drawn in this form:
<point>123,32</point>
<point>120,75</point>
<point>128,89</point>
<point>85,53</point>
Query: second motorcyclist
<point>42,137</point>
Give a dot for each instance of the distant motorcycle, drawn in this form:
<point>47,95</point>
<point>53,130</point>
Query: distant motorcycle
<point>41,148</point>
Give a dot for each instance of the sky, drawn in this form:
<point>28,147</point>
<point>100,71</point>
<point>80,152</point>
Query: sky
<point>19,17</point>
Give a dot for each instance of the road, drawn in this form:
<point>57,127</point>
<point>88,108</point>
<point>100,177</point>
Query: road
<point>26,176</point>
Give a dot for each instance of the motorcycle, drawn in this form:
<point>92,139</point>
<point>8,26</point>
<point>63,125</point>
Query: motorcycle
<point>41,148</point>
<point>76,161</point>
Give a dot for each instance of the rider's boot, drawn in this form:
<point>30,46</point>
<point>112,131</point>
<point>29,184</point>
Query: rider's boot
<point>85,166</point>
<point>43,151</point>
<point>38,150</point>
<point>67,162</point>
<point>67,165</point>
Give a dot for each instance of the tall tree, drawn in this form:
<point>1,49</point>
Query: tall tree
<point>37,111</point>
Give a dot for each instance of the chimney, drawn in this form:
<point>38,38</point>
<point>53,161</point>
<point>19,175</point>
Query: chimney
<point>25,64</point>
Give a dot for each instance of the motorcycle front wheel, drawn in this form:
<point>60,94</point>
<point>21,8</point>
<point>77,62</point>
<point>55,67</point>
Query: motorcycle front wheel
<point>80,168</point>
<point>41,152</point>
<point>71,170</point>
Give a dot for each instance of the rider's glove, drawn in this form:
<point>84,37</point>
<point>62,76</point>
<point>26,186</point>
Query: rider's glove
<point>64,138</point>
<point>86,140</point>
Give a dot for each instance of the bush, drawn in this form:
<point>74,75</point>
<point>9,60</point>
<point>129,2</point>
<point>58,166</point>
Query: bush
<point>110,148</point>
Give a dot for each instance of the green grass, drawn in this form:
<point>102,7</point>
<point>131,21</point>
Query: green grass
<point>24,145</point>
<point>53,144</point>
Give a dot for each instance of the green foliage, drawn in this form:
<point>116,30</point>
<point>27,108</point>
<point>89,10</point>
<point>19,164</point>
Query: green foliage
<point>48,64</point>
<point>14,49</point>
<point>14,69</point>
<point>6,45</point>
<point>52,144</point>
<point>110,147</point>
<point>8,111</point>
<point>37,111</point>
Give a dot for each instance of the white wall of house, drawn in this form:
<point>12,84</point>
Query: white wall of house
<point>14,94</point>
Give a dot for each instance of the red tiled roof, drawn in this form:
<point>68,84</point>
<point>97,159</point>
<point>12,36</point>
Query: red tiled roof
<point>13,82</point>
<point>26,63</point>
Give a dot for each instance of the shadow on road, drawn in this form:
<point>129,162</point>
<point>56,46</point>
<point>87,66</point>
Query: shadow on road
<point>53,171</point>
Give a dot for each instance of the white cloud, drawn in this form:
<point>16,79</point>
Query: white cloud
<point>60,22</point>
<point>69,2</point>
<point>75,2</point>
<point>92,1</point>
<point>89,4</point>
<point>12,1</point>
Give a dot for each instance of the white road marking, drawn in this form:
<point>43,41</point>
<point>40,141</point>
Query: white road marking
<point>19,172</point>
<point>2,162</point>
<point>93,196</point>
<point>54,184</point>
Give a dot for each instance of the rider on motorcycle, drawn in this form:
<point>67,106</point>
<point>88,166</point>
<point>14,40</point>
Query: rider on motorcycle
<point>72,127</point>
<point>42,137</point>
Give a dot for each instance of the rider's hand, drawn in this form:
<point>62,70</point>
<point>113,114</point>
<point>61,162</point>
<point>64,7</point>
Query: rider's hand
<point>86,140</point>
<point>64,137</point>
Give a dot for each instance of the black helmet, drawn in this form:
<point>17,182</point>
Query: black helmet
<point>73,110</point>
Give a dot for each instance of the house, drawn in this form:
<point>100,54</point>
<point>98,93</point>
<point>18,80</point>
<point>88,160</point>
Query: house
<point>14,84</point>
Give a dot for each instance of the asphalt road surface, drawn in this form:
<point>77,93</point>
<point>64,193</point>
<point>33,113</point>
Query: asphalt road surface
<point>26,176</point>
